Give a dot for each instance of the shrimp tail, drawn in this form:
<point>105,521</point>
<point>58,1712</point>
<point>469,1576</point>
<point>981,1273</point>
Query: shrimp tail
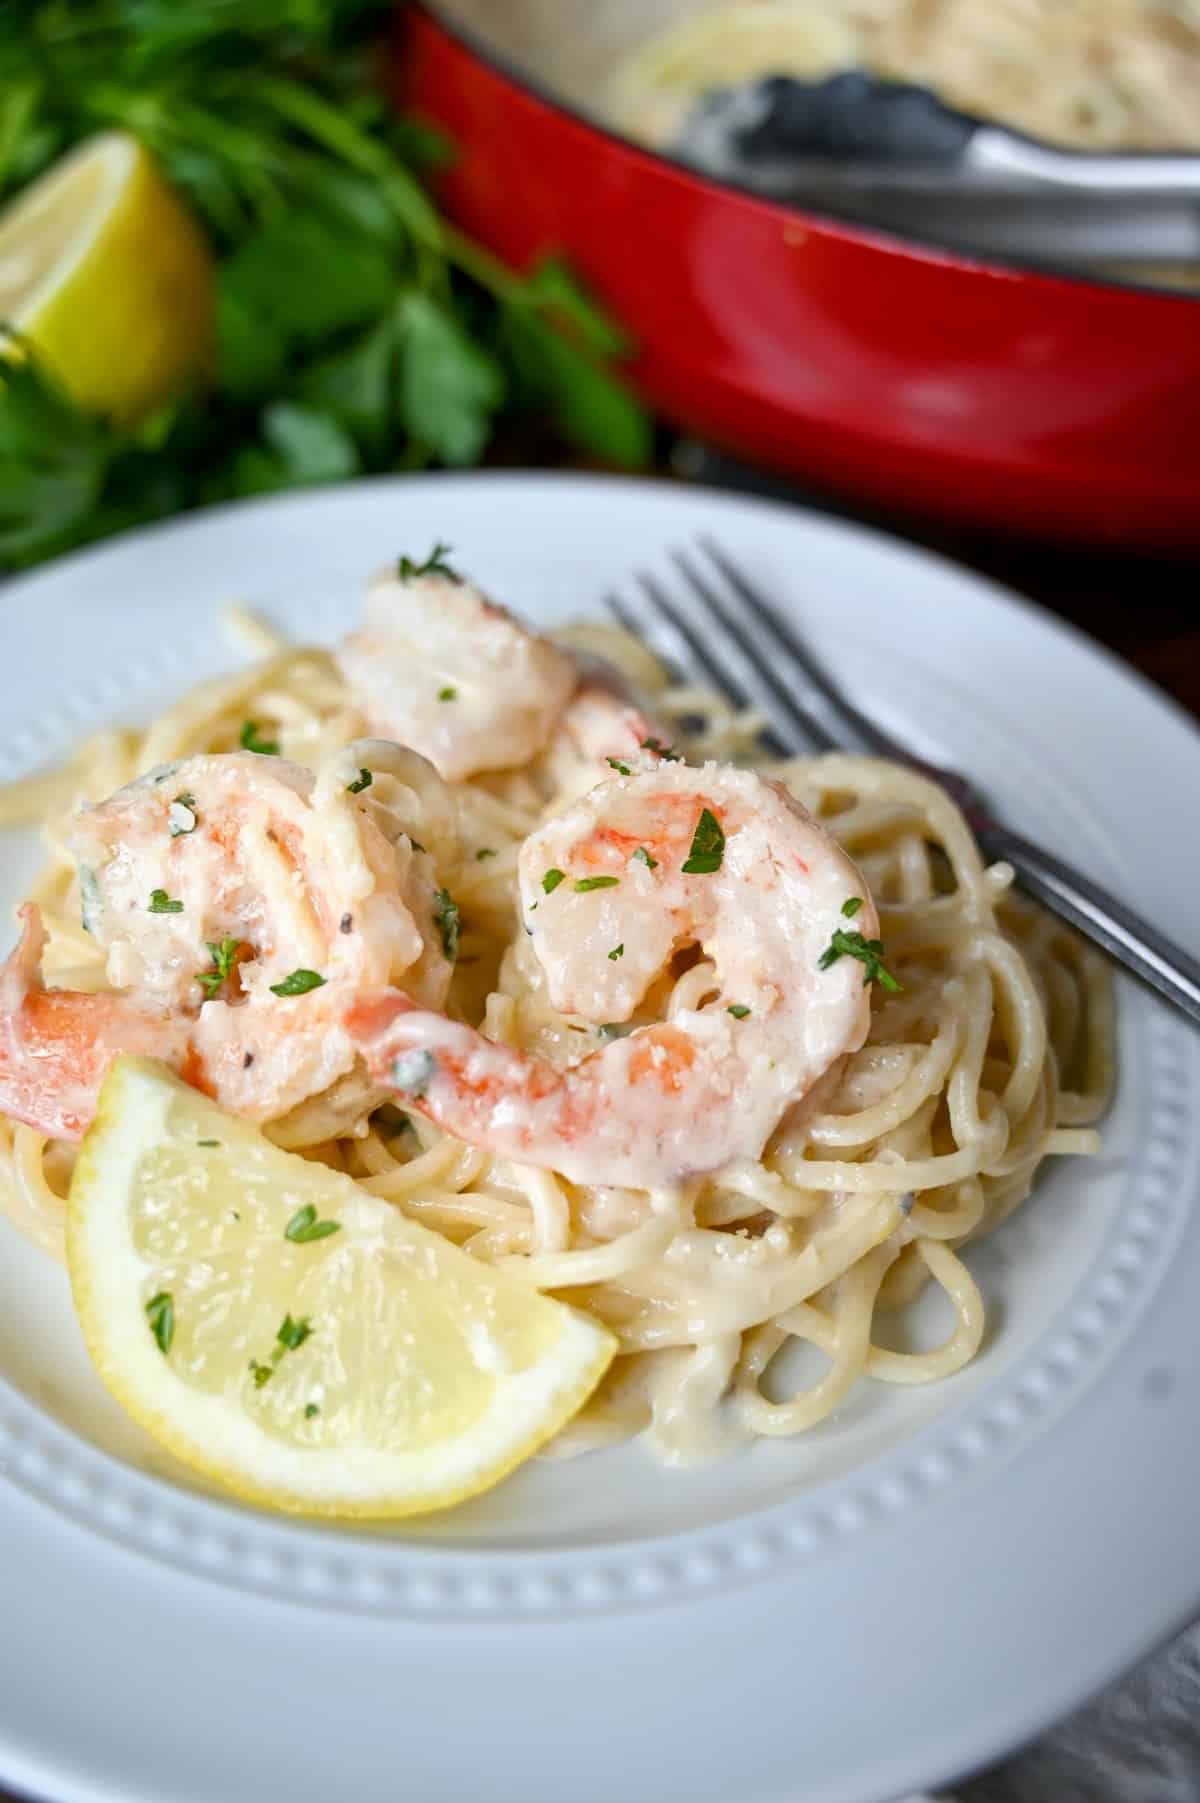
<point>473,1087</point>
<point>57,1044</point>
<point>513,1105</point>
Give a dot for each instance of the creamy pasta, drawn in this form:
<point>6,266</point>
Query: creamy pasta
<point>995,1053</point>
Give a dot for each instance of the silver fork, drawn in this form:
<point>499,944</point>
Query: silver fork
<point>729,636</point>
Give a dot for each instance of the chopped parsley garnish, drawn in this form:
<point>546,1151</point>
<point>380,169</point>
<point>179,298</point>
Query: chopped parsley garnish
<point>618,766</point>
<point>618,951</point>
<point>160,1312</point>
<point>208,1142</point>
<point>434,565</point>
<point>851,905</point>
<point>484,852</point>
<point>584,883</point>
<point>182,816</point>
<point>448,920</point>
<point>552,879</point>
<point>249,740</point>
<point>738,1010</point>
<point>708,846</point>
<point>310,1409</point>
<point>449,693</point>
<point>416,845</point>
<point>223,956</point>
<point>289,1335</point>
<point>304,1226</point>
<point>665,752</point>
<point>413,1072</point>
<point>298,983</point>
<point>869,952</point>
<point>161,903</point>
<point>642,856</point>
<point>365,779</point>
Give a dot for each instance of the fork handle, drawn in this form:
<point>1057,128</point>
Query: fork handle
<point>1126,936</point>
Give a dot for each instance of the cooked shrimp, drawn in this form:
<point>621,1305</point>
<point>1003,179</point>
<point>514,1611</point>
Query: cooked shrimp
<point>613,890</point>
<point>56,1044</point>
<point>438,666</point>
<point>600,731</point>
<point>239,903</point>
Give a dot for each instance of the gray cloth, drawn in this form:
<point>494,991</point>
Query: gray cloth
<point>1137,1743</point>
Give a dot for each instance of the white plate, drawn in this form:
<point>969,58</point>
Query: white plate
<point>900,1594</point>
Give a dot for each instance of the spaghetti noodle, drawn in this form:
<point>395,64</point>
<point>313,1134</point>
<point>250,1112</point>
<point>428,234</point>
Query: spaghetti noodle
<point>996,1052</point>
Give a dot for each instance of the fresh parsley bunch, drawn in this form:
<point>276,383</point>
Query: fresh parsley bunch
<point>357,330</point>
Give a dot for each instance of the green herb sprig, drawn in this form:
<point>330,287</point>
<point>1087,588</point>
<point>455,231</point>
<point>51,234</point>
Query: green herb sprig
<point>250,739</point>
<point>708,846</point>
<point>869,952</point>
<point>160,1313</point>
<point>223,953</point>
<point>298,982</point>
<point>434,565</point>
<point>304,1227</point>
<point>356,330</point>
<point>447,918</point>
<point>288,1336</point>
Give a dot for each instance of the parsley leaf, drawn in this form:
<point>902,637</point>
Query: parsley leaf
<point>708,846</point>
<point>484,852</point>
<point>665,752</point>
<point>738,1010</point>
<point>310,1409</point>
<point>448,920</point>
<point>618,766</point>
<point>354,328</point>
<point>161,903</point>
<point>618,951</point>
<point>434,565</point>
<point>299,982</point>
<point>584,883</point>
<point>869,952</point>
<point>224,955</point>
<point>449,693</point>
<point>365,779</point>
<point>642,856</point>
<point>293,1333</point>
<point>851,905</point>
<point>249,740</point>
<point>160,1313</point>
<point>552,879</point>
<point>304,1227</point>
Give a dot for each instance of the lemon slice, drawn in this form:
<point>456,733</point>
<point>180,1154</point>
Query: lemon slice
<point>372,1370</point>
<point>106,273</point>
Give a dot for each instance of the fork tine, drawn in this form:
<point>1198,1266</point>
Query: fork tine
<point>792,720</point>
<point>786,636</point>
<point>700,660</point>
<point>640,617</point>
<point>622,615</point>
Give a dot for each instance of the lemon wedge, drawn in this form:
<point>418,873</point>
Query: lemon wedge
<point>105,272</point>
<point>293,1337</point>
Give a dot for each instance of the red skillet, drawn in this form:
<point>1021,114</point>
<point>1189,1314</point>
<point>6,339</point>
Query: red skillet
<point>858,360</point>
